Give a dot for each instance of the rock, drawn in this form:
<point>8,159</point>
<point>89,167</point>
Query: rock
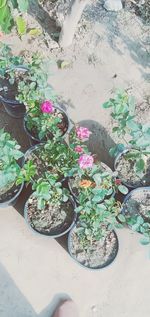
<point>113,5</point>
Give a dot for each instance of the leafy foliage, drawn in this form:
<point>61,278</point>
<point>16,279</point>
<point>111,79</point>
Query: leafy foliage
<point>9,155</point>
<point>96,219</point>
<point>21,25</point>
<point>139,224</point>
<point>96,183</point>
<point>6,14</point>
<point>46,125</point>
<point>49,189</point>
<point>33,87</point>
<point>123,108</point>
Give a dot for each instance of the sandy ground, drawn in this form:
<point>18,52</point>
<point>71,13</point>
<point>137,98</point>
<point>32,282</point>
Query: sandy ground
<point>35,272</point>
<point>110,51</point>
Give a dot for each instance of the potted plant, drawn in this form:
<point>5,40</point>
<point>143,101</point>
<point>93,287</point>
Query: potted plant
<point>12,71</point>
<point>50,209</point>
<point>10,168</point>
<point>45,121</point>
<point>96,177</point>
<point>93,242</point>
<point>136,209</point>
<point>132,158</point>
<point>23,81</point>
<point>98,181</point>
<point>55,156</point>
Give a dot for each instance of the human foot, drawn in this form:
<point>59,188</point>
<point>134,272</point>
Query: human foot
<point>66,309</point>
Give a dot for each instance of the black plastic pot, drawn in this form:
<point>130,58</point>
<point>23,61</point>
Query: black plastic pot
<point>13,107</point>
<point>13,200</point>
<point>109,261</point>
<point>35,140</point>
<point>139,184</point>
<point>48,234</point>
<point>128,197</point>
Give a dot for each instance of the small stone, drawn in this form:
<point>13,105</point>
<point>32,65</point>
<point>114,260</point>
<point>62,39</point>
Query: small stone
<point>113,5</point>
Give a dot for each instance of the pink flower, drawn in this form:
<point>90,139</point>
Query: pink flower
<point>78,149</point>
<point>47,107</point>
<point>118,181</point>
<point>85,161</point>
<point>82,133</point>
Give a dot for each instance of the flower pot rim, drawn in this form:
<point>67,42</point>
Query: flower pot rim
<point>127,149</point>
<point>98,267</point>
<point>10,101</point>
<point>47,234</point>
<point>127,197</point>
<point>8,202</point>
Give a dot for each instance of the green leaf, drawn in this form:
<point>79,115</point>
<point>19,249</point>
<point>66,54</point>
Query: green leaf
<point>97,178</point>
<point>107,104</point>
<point>136,227</point>
<point>121,218</point>
<point>139,166</point>
<point>6,21</point>
<point>133,125</point>
<point>35,32</point>
<point>65,198</point>
<point>78,209</point>
<point>21,25</point>
<point>65,64</point>
<point>119,148</point>
<point>145,240</point>
<point>23,5</point>
<point>115,129</point>
<point>123,189</point>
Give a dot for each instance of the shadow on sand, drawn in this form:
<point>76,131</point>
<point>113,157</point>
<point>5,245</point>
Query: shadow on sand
<point>14,304</point>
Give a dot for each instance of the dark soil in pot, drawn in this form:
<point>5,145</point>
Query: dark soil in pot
<point>126,173</point>
<point>33,133</point>
<point>96,256</point>
<point>9,194</point>
<point>52,221</point>
<point>138,202</point>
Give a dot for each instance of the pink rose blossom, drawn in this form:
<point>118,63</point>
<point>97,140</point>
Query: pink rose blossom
<point>78,149</point>
<point>82,133</point>
<point>47,107</point>
<point>85,161</point>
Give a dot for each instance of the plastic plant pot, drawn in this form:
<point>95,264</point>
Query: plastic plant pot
<point>13,200</point>
<point>129,195</point>
<point>35,140</point>
<point>13,107</point>
<point>130,186</point>
<point>104,265</point>
<point>56,235</point>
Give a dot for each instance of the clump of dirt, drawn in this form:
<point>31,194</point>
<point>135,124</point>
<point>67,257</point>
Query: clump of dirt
<point>51,220</point>
<point>139,203</point>
<point>98,254</point>
<point>126,172</point>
